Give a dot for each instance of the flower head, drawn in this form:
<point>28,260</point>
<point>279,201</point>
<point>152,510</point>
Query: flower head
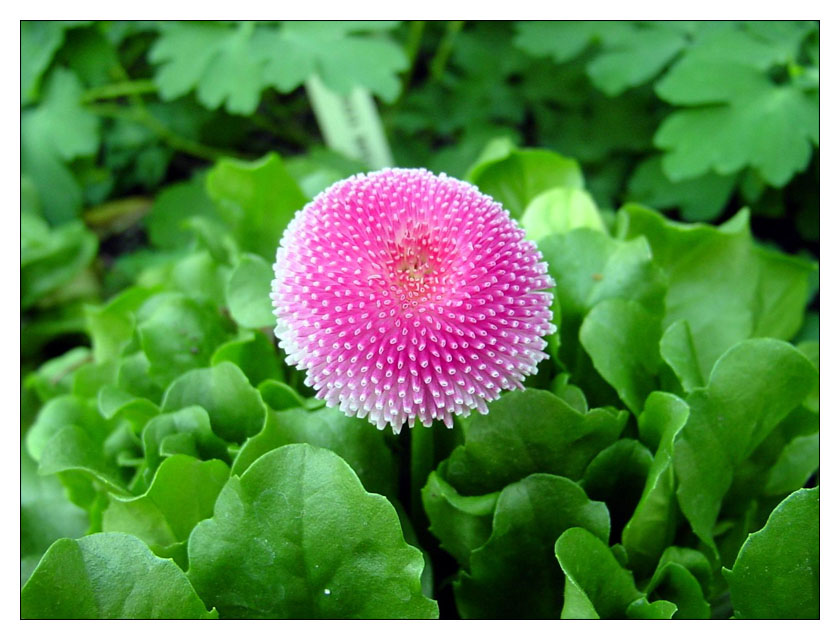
<point>408,295</point>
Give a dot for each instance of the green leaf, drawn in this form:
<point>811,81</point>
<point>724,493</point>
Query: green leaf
<point>777,573</point>
<point>797,462</point>
<point>675,581</point>
<point>562,40</point>
<point>589,267</point>
<point>111,326</point>
<point>336,52</point>
<point>560,210</point>
<point>45,515</point>
<point>58,413</point>
<point>235,408</point>
<point>616,477</point>
<point>258,199</point>
<point>516,178</point>
<point>751,389</point>
<point>634,55</point>
<point>179,335</point>
<point>725,287</point>
<point>529,516</point>
<point>461,523</point>
<point>58,130</point>
<point>677,349</point>
<point>527,432</point>
<point>182,494</point>
<point>173,206</point>
<point>113,576</point>
<point>254,354</point>
<point>51,258</point>
<point>622,338</point>
<point>186,431</point>
<point>759,124</point>
<point>215,59</point>
<point>698,199</point>
<point>280,396</point>
<point>362,447</point>
<point>200,277</point>
<point>247,292</point>
<point>297,536</point>
<point>39,40</point>
<point>593,571</point>
<point>55,377</point>
<point>653,523</point>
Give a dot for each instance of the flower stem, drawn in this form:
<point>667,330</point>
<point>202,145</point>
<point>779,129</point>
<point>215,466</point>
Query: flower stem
<point>119,90</point>
<point>422,463</point>
<point>438,64</point>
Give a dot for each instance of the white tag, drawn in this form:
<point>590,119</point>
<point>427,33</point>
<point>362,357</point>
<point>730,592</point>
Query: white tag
<point>350,123</point>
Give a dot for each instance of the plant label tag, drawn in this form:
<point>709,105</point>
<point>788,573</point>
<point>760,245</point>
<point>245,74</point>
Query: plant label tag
<point>350,123</point>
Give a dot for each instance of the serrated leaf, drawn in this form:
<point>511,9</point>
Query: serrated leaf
<point>337,53</point>
<point>297,536</point>
<point>113,576</point>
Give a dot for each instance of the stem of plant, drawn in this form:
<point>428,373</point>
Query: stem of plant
<point>422,461</point>
<point>444,50</point>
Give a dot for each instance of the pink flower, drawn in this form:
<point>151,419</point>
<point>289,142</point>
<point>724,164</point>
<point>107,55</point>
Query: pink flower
<point>408,295</point>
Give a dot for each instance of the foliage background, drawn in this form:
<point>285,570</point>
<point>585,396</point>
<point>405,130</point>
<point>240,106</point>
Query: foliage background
<point>161,161</point>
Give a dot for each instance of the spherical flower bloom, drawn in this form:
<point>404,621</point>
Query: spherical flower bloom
<point>408,295</point>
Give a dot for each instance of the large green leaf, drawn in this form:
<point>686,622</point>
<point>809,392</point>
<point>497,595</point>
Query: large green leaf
<point>258,199</point>
<point>297,536</point>
<point>108,576</point>
<point>254,354</point>
<point>751,389</point>
<point>777,573</point>
<point>529,516</point>
<point>528,432</point>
